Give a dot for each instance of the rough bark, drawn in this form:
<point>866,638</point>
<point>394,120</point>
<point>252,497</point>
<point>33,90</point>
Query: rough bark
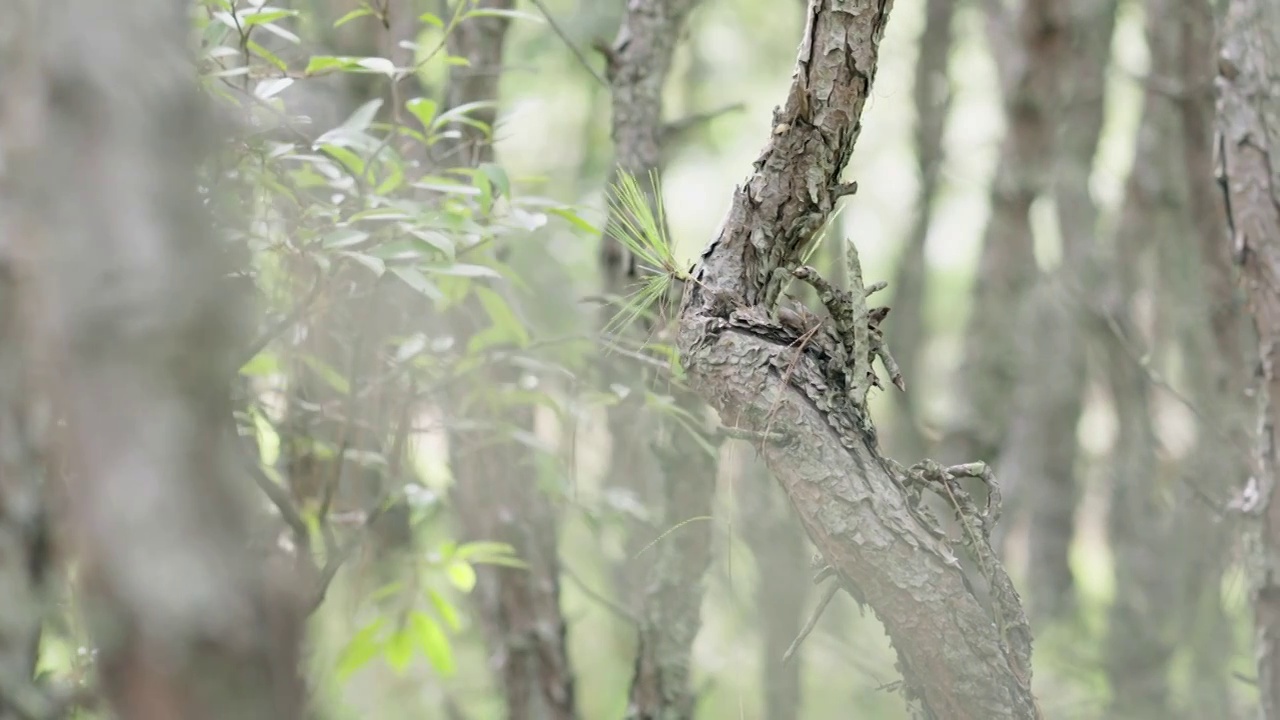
<point>126,283</point>
<point>959,659</point>
<point>1032,59</point>
<point>651,456</point>
<point>1249,123</point>
<point>1040,447</point>
<point>931,93</point>
<point>496,490</point>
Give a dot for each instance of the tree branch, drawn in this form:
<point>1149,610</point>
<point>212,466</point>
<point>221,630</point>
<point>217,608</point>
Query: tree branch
<point>854,502</point>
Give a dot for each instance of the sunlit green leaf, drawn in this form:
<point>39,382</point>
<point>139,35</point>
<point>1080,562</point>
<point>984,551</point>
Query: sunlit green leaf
<point>445,610</point>
<point>265,15</point>
<point>267,55</point>
<point>433,642</point>
<point>398,651</point>
<point>362,648</point>
<point>462,575</point>
<point>263,364</point>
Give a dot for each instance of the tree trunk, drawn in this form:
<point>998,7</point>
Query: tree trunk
<point>1249,123</point>
<point>654,457</point>
<point>1032,58</point>
<point>23,526</point>
<point>106,134</point>
<point>960,659</point>
<point>1040,447</point>
<point>931,93</point>
<point>496,488</point>
<point>782,582</point>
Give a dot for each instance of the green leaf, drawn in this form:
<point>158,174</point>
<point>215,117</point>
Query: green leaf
<point>498,177</point>
<point>321,63</point>
<point>263,364</point>
<point>575,220</point>
<point>502,316</point>
<point>499,12</point>
<point>378,65</point>
<point>351,161</point>
<point>432,19</point>
<point>424,109</point>
<point>464,270</point>
<point>357,13</point>
<point>416,280</point>
<point>267,55</point>
<point>332,378</point>
<point>462,575</point>
<point>342,238</point>
<point>459,113</point>
<point>263,16</point>
<point>375,265</point>
<point>433,642</point>
<point>271,87</point>
<point>445,610</point>
<point>398,651</point>
<point>363,117</point>
<point>362,648</point>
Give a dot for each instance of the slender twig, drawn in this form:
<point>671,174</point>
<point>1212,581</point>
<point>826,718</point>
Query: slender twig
<point>809,624</point>
<point>612,606</point>
<point>564,37</point>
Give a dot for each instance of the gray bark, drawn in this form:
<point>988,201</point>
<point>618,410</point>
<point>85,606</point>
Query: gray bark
<point>1040,447</point>
<point>1032,52</point>
<point>959,659</point>
<point>1249,123</point>
<point>651,456</point>
<point>931,93</point>
<point>127,286</point>
<point>496,492</point>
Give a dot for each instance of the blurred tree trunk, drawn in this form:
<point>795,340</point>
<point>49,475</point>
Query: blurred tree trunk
<point>1143,526</point>
<point>931,93</point>
<point>1040,447</point>
<point>1209,326</point>
<point>497,490</point>
<point>1249,123</point>
<point>654,456</point>
<point>1031,49</point>
<point>783,580</point>
<point>961,657</point>
<point>106,133</point>
<point>23,528</point>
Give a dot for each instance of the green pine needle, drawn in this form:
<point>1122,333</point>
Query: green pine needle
<point>641,227</point>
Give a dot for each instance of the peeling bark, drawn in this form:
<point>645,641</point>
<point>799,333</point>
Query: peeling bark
<point>127,290</point>
<point>1249,123</point>
<point>959,659</point>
